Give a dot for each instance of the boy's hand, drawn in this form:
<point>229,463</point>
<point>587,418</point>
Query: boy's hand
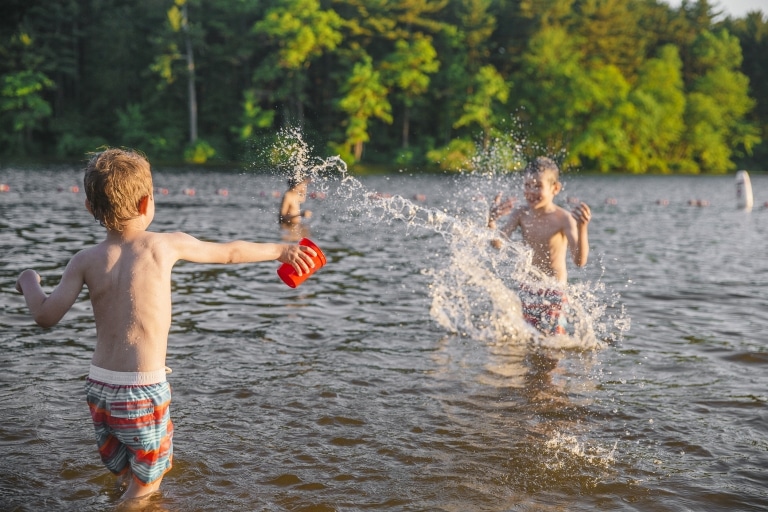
<point>306,214</point>
<point>499,208</point>
<point>298,256</point>
<point>582,214</point>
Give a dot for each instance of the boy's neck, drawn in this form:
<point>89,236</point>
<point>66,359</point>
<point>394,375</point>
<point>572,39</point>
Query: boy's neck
<point>544,209</point>
<point>130,229</point>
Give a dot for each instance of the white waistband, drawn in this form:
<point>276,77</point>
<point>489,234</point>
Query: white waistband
<point>127,378</point>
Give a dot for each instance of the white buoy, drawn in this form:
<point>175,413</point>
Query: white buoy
<point>744,198</point>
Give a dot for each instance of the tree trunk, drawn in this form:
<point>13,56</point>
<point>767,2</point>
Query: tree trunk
<point>190,80</point>
<point>406,126</point>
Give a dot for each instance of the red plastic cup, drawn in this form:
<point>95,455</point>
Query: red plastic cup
<point>288,274</point>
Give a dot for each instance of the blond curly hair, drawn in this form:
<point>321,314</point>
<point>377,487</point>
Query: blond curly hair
<point>115,181</point>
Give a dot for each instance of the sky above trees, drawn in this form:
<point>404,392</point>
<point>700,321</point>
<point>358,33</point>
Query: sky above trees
<point>735,8</point>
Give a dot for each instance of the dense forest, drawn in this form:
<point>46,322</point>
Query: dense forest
<point>633,86</point>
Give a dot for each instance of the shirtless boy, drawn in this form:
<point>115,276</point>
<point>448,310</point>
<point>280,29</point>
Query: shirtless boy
<point>550,231</point>
<point>290,209</point>
<point>128,276</point>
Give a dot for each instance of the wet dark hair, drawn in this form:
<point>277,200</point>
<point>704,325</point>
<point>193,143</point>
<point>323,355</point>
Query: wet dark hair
<point>543,164</point>
<point>295,181</point>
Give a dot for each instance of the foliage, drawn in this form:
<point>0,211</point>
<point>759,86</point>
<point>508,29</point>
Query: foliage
<point>456,156</point>
<point>604,85</point>
<point>22,108</point>
<point>199,152</point>
<point>365,97</point>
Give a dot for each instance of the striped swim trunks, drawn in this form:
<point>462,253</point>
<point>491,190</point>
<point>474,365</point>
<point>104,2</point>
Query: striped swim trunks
<point>131,416</point>
<point>546,309</point>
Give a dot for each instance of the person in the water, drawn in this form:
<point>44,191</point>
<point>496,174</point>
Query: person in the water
<point>128,276</point>
<point>290,208</point>
<point>551,232</point>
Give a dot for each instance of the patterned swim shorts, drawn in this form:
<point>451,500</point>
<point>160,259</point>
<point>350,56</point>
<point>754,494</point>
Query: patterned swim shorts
<point>131,416</point>
<point>545,309</point>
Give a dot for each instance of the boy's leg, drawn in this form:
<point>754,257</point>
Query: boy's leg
<point>124,480</point>
<point>136,490</point>
<point>149,440</point>
<point>134,433</point>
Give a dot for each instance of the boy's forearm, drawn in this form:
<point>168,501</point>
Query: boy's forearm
<point>581,258</point>
<point>251,252</point>
<point>28,285</point>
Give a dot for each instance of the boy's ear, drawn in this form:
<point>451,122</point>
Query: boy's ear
<point>143,205</point>
<point>558,187</point>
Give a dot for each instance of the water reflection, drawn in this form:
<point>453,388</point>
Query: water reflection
<point>346,393</point>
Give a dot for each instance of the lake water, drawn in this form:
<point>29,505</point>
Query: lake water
<point>401,375</point>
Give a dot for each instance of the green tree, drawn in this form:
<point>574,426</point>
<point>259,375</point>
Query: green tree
<point>295,32</point>
<point>365,98</point>
<point>489,88</point>
<point>408,69</point>
<point>657,122</point>
<point>632,85</point>
<point>253,117</point>
<point>469,85</point>
<point>545,87</point>
<point>609,32</point>
<point>718,102</point>
<point>22,109</point>
<point>752,32</point>
<point>637,129</point>
<point>167,63</point>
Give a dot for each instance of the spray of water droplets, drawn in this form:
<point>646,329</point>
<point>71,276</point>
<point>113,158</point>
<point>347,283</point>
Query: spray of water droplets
<point>474,290</point>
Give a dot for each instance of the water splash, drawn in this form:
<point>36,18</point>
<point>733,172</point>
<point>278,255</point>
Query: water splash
<point>293,158</point>
<point>473,291</point>
<point>567,454</point>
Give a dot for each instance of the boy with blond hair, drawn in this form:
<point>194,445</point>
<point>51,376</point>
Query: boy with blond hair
<point>128,276</point>
<point>551,232</point>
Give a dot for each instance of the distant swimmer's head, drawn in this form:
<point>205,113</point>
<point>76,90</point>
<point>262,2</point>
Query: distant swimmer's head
<point>116,181</point>
<point>295,181</point>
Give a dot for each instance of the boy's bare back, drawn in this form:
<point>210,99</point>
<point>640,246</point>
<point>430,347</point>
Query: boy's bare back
<point>128,276</point>
<point>129,281</point>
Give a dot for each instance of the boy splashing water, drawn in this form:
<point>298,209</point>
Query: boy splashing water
<point>550,231</point>
<point>128,276</point>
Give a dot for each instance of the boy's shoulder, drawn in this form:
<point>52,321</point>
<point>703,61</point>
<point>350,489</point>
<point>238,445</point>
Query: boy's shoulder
<point>563,214</point>
<point>520,209</point>
<point>145,238</point>
<point>87,258</point>
<point>91,252</point>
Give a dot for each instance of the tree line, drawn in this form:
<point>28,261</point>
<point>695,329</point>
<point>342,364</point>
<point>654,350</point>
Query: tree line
<point>629,86</point>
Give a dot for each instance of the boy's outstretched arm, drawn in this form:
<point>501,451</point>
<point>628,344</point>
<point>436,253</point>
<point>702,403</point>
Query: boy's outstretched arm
<point>191,249</point>
<point>580,246</point>
<point>47,310</point>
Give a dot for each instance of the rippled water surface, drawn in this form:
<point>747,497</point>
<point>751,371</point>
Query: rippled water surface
<point>397,377</point>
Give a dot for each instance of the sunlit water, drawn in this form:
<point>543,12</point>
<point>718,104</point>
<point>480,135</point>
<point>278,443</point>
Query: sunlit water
<point>401,376</point>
